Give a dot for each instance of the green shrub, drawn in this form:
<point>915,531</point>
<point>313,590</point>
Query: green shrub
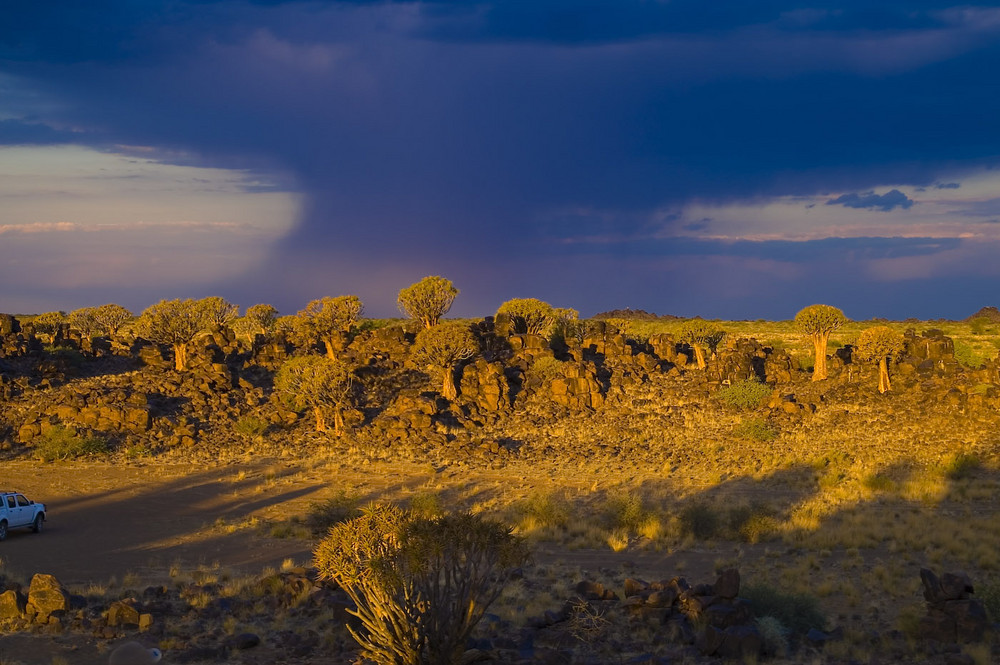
<point>544,509</point>
<point>744,395</point>
<point>978,325</point>
<point>968,356</point>
<point>420,585</point>
<point>878,482</point>
<point>797,611</point>
<point>756,429</point>
<point>60,443</point>
<point>67,358</point>
<point>752,523</point>
<point>961,465</point>
<point>989,593</point>
<point>324,515</point>
<point>426,504</point>
<point>774,635</point>
<point>251,426</point>
<point>625,511</point>
<point>546,368</point>
<point>699,520</point>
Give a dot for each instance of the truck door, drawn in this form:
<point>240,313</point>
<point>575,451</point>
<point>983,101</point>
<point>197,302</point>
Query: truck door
<point>23,512</point>
<point>12,513</point>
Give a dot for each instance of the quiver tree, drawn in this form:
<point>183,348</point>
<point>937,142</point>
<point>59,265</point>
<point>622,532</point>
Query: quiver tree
<point>111,318</point>
<point>48,323</point>
<point>701,335</point>
<point>879,344</point>
<point>219,311</point>
<point>566,325</point>
<point>329,319</point>
<point>85,320</point>
<point>177,323</point>
<point>427,300</point>
<point>443,347</point>
<point>530,315</point>
<point>258,320</point>
<point>322,384</point>
<point>818,321</point>
<point>420,584</point>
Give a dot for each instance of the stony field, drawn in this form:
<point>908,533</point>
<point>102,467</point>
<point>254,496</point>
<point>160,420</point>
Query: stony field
<point>194,499</point>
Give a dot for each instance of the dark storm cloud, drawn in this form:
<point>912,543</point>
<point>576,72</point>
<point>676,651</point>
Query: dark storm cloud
<point>885,202</point>
<point>792,252</point>
<point>947,185</point>
<point>438,136</point>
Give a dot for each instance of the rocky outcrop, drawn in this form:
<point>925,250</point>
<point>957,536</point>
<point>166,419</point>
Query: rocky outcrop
<point>953,615</point>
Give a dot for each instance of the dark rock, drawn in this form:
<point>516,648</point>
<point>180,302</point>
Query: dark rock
<point>709,640</point>
<point>244,641</point>
<point>678,629</point>
<point>741,642</point>
<point>728,584</point>
<point>634,587</point>
<point>121,613</point>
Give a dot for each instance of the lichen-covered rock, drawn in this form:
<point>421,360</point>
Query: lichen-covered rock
<point>46,597</point>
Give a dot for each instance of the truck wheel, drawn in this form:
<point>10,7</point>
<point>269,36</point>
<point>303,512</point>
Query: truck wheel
<point>37,525</point>
<point>3,530</point>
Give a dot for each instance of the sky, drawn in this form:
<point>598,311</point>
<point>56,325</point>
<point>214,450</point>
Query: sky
<point>731,159</point>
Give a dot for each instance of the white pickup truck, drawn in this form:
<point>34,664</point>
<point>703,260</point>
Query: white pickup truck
<point>16,511</point>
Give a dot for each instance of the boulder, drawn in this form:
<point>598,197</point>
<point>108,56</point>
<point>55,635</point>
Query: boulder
<point>46,596</point>
<point>728,584</point>
<point>12,604</point>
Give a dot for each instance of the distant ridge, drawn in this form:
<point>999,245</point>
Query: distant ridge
<point>990,313</point>
<point>636,314</point>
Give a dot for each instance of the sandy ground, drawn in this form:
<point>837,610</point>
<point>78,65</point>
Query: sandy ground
<point>108,521</point>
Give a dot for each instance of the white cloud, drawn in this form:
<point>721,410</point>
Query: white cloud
<point>73,219</point>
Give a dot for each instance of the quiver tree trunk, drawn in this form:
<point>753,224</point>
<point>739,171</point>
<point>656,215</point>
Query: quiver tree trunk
<point>883,375</point>
<point>180,357</point>
<point>820,341</point>
<point>448,388</point>
<point>699,355</point>
<point>320,419</point>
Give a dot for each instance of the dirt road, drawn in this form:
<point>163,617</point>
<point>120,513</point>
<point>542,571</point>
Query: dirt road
<point>107,521</point>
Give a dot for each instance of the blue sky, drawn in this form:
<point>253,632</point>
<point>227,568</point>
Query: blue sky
<point>741,162</point>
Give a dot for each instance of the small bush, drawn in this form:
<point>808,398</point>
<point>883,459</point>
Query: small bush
<point>251,426</point>
<point>978,325</point>
<point>752,523</point>
<point>968,356</point>
<point>699,520</point>
<point>744,395</point>
<point>426,504</point>
<point>756,429</point>
<point>625,511</point>
<point>324,515</point>
<point>60,443</point>
<point>877,482</point>
<point>774,635</point>
<point>797,611</point>
<point>546,368</point>
<point>543,510</point>
<point>989,593</point>
<point>961,465</point>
